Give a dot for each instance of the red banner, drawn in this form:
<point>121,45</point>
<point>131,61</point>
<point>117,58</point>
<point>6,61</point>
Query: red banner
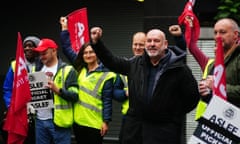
<point>17,121</point>
<point>78,28</point>
<point>192,27</point>
<point>219,87</point>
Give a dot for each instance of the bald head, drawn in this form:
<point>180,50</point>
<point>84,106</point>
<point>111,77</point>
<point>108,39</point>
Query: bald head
<point>156,45</point>
<point>138,43</point>
<point>230,22</point>
<point>227,29</point>
<point>157,33</point>
<point>140,35</point>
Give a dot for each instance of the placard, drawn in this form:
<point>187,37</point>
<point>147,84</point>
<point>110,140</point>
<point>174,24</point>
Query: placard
<point>207,135</point>
<point>41,95</point>
<point>220,124</point>
<point>223,114</point>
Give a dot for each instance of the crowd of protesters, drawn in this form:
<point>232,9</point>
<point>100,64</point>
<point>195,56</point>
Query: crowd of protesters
<point>156,87</point>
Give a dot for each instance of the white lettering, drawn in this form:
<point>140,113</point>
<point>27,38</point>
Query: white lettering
<point>80,30</point>
<point>218,72</point>
<point>21,66</point>
<point>213,136</point>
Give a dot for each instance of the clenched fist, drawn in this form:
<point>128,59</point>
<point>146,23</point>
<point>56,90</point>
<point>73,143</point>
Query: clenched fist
<point>175,30</point>
<point>96,34</point>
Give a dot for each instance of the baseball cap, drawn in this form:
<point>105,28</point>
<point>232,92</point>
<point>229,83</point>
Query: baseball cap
<point>45,44</point>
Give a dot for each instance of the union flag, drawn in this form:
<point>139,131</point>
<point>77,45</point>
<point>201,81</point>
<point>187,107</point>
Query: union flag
<point>16,123</point>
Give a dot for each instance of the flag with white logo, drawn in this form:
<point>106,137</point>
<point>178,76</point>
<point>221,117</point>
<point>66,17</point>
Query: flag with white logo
<point>17,120</point>
<point>219,87</point>
<point>78,28</point>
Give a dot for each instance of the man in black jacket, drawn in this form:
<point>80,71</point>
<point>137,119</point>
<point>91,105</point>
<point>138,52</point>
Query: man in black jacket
<point>162,90</point>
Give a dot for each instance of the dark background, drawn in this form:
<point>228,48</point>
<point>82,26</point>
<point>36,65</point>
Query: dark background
<point>41,18</point>
<point>119,19</point>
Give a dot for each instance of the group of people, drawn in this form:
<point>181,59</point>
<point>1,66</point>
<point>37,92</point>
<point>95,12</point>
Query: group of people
<point>155,86</point>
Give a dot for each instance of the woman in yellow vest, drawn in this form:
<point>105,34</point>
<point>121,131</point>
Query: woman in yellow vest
<point>93,111</point>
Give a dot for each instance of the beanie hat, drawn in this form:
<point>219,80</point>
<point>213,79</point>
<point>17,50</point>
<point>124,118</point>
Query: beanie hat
<point>45,44</point>
<point>33,39</point>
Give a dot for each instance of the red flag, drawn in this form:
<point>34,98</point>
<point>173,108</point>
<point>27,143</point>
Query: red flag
<point>78,28</point>
<point>192,27</point>
<point>17,121</point>
<point>219,87</point>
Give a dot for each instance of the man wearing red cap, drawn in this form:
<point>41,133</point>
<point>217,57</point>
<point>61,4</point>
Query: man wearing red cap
<point>54,124</point>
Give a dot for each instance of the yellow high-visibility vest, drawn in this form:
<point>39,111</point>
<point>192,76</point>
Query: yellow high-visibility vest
<point>125,104</point>
<point>13,65</point>
<point>88,110</point>
<point>63,110</point>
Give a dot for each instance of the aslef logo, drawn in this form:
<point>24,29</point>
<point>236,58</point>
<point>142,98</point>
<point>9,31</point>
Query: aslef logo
<point>31,78</point>
<point>229,113</point>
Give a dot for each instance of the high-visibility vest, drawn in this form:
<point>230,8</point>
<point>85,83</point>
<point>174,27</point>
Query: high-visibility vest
<point>125,104</point>
<point>201,107</point>
<point>88,110</point>
<point>63,110</point>
<point>13,65</point>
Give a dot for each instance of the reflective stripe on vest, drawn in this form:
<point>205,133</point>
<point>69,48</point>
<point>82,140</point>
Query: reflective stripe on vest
<point>93,93</point>
<point>88,110</point>
<point>124,80</point>
<point>63,110</point>
<point>201,107</point>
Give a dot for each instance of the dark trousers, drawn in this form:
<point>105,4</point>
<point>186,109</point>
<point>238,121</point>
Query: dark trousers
<point>121,129</point>
<point>87,135</point>
<point>136,131</point>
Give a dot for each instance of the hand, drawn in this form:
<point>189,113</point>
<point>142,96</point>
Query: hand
<point>30,109</point>
<point>63,22</point>
<point>96,34</point>
<point>175,30</point>
<point>53,87</point>
<point>203,88</point>
<point>126,92</point>
<point>209,81</point>
<point>104,129</point>
<point>189,19</point>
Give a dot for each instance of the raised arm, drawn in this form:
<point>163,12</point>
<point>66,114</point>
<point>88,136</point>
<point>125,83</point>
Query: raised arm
<point>176,32</point>
<point>199,56</point>
<point>65,41</point>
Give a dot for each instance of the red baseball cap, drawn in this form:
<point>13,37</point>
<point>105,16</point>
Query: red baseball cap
<point>45,44</point>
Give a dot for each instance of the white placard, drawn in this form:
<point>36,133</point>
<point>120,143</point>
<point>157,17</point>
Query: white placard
<point>41,95</point>
<point>207,135</point>
<point>223,114</point>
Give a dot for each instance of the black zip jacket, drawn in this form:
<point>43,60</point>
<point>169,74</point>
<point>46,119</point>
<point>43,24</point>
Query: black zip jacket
<point>175,92</point>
